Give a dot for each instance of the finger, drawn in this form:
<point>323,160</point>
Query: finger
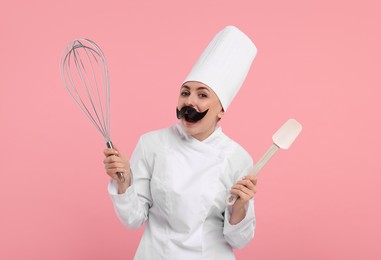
<point>251,190</point>
<point>117,151</point>
<point>243,193</point>
<point>109,152</point>
<point>242,188</point>
<point>119,164</point>
<point>114,171</point>
<point>253,179</point>
<point>246,183</point>
<point>249,185</point>
<point>111,159</point>
<point>115,165</point>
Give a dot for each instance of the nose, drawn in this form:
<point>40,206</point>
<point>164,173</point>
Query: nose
<point>190,101</point>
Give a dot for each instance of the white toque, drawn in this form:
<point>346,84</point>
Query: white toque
<point>224,64</point>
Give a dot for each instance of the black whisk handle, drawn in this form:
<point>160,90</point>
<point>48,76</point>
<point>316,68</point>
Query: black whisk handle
<point>120,174</point>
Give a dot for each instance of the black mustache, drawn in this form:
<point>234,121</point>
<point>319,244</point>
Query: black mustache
<point>190,114</point>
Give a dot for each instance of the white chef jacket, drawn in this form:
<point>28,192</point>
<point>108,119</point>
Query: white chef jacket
<point>179,188</point>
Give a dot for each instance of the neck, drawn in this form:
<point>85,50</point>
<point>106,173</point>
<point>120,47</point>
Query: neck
<point>204,135</point>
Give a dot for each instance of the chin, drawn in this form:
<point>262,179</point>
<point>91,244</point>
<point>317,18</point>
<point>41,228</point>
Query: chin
<point>190,127</point>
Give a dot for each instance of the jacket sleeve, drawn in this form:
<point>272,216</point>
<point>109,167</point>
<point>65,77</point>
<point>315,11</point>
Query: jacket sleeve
<point>240,234</point>
<point>132,207</point>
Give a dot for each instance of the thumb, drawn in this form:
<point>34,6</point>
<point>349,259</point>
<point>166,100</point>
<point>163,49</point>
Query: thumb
<point>113,147</point>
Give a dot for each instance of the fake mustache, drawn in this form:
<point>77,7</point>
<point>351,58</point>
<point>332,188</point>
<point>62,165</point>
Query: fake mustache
<point>190,114</point>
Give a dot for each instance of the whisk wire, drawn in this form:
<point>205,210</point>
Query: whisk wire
<point>89,88</point>
<point>93,59</point>
<point>75,94</point>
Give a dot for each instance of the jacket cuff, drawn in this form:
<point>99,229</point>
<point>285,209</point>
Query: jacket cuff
<point>242,233</point>
<point>124,197</point>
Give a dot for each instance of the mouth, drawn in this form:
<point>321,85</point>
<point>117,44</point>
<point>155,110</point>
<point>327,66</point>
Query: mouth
<point>189,121</point>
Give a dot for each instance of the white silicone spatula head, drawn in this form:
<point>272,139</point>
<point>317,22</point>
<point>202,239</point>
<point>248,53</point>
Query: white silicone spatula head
<point>283,138</point>
<point>287,134</point>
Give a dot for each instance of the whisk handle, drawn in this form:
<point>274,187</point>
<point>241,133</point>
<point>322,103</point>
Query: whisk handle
<point>120,174</point>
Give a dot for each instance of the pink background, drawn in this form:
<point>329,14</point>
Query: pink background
<point>318,61</point>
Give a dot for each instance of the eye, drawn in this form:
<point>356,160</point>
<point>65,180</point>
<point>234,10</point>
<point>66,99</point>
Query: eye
<point>184,93</point>
<point>202,95</point>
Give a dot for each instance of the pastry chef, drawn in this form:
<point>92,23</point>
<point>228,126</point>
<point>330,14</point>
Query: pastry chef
<point>178,178</point>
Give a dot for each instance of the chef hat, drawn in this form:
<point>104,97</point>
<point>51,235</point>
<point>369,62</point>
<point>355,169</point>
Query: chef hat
<point>224,64</point>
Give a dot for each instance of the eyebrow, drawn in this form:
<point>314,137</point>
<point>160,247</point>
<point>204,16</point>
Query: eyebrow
<point>199,88</point>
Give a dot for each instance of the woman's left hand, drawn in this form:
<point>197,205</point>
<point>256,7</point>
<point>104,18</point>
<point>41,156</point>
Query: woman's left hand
<point>245,189</point>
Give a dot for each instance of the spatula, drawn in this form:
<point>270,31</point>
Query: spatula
<point>283,138</point>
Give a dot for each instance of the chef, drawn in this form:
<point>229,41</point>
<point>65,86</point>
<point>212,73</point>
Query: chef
<point>178,177</point>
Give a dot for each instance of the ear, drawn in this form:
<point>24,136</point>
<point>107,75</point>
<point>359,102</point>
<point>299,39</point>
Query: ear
<point>221,114</point>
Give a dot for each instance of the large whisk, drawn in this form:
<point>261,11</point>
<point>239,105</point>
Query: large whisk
<point>84,73</point>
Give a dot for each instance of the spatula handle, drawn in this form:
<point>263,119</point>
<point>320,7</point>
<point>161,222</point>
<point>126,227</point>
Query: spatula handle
<point>231,199</point>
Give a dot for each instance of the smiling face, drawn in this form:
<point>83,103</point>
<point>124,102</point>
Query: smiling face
<point>202,98</point>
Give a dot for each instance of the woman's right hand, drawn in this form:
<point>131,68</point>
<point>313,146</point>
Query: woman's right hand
<point>116,162</point>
